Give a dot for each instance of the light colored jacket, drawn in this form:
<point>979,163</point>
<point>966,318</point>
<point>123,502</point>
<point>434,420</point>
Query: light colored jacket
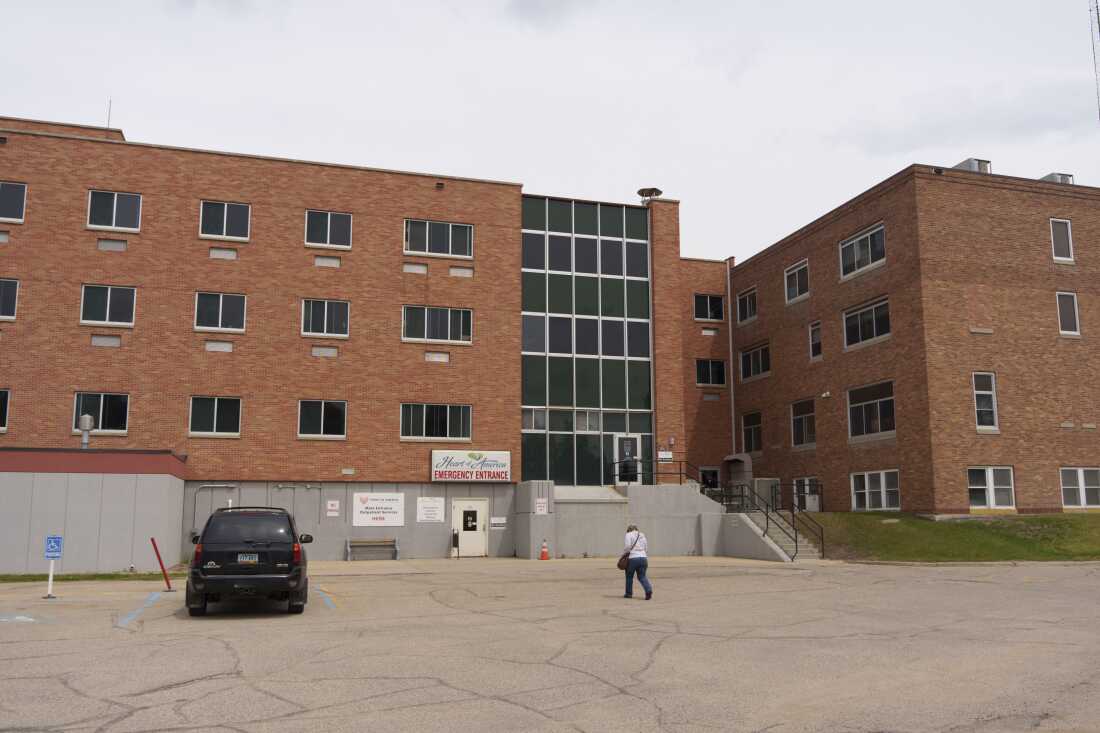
<point>639,548</point>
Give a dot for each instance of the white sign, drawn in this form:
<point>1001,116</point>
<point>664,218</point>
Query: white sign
<point>460,465</point>
<point>664,455</point>
<point>378,510</point>
<point>542,505</point>
<point>429,509</point>
<point>332,507</point>
<point>497,522</point>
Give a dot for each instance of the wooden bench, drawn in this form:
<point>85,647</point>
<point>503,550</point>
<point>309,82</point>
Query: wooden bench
<point>385,549</point>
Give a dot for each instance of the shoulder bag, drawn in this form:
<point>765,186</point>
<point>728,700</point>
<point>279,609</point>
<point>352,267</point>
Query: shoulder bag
<point>624,559</point>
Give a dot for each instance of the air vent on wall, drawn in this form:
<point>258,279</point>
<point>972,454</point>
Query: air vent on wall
<point>1058,178</point>
<point>974,165</point>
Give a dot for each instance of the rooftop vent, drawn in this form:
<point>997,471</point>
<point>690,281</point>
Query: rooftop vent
<point>1058,178</point>
<point>974,165</point>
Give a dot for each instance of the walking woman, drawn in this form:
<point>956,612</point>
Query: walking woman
<point>637,561</point>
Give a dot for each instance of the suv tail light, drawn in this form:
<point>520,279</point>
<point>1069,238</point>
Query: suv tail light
<point>196,560</point>
<point>297,554</point>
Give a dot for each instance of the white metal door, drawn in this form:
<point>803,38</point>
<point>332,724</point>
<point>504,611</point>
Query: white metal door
<point>628,464</point>
<point>807,494</point>
<point>470,519</point>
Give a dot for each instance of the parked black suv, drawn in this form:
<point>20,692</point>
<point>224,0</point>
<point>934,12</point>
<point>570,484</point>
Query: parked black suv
<point>250,552</point>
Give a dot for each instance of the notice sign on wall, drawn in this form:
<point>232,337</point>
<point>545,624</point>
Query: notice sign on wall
<point>458,465</point>
<point>378,510</point>
<point>429,508</point>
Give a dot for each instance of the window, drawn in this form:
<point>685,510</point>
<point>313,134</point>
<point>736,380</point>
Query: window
<point>109,412</point>
<point>861,252</point>
<point>450,422</point>
<point>1061,240</point>
<point>871,410</point>
<point>534,333</point>
<point>13,198</point>
<point>532,419</point>
<point>1081,487</point>
<point>798,281</point>
<point>815,340</point>
<point>708,308</point>
<point>439,238</point>
<point>746,306</point>
<point>990,486</point>
<point>221,220</point>
<point>752,439</point>
<point>328,229</point>
<point>325,318</point>
<point>325,419</point>
<point>437,324</point>
<point>219,312</point>
<point>875,490</point>
<point>4,394</point>
<point>110,210</point>
<point>107,305</point>
<point>985,400</point>
<point>1068,325</point>
<point>755,362</point>
<point>9,299</point>
<point>588,421</point>
<point>866,323</point>
<point>710,372</point>
<point>215,416</point>
<point>803,428</point>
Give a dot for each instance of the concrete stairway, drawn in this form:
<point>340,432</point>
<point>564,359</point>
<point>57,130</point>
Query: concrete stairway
<point>807,550</point>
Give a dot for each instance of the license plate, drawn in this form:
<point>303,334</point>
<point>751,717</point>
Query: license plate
<point>248,558</point>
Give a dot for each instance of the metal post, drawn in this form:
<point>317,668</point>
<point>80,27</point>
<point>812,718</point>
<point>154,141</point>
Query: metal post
<point>163,572</point>
<point>49,583</point>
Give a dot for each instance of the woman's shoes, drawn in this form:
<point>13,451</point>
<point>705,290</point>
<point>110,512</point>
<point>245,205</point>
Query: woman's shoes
<point>648,596</point>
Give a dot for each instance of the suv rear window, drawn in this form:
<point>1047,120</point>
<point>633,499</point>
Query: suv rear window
<point>238,526</point>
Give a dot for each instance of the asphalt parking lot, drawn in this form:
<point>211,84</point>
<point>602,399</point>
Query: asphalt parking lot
<point>512,645</point>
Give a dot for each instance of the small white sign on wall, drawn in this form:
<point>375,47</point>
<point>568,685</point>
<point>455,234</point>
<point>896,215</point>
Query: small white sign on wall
<point>429,509</point>
<point>498,522</point>
<point>378,510</point>
<point>542,505</point>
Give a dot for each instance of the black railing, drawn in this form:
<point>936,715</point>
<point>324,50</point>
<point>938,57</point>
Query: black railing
<point>742,498</point>
<point>638,471</point>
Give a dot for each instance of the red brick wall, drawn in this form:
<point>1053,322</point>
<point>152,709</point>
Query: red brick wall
<point>668,322</point>
<point>15,123</point>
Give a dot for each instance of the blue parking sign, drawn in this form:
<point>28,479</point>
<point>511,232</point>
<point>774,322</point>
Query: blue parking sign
<point>54,545</point>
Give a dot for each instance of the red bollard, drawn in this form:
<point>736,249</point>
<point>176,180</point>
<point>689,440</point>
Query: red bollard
<point>162,570</point>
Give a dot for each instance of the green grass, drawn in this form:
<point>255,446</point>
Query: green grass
<point>860,536</point>
<point>14,578</point>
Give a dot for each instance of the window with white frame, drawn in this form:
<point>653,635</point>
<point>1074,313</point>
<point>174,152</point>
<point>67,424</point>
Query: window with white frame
<point>534,419</point>
<point>797,277</point>
<point>13,200</point>
<point>427,323</point>
<point>5,396</point>
<point>1061,239</point>
<point>871,410</point>
<point>746,306</point>
<point>9,299</point>
<point>708,307</point>
<point>1068,323</point>
<point>442,422</point>
<point>325,318</point>
<point>862,251</point>
<point>107,305</point>
<point>985,400</point>
<point>587,421</point>
<point>752,438</point>
<point>873,490</point>
<point>114,211</point>
<point>755,362</point>
<point>439,238</point>
<point>866,323</point>
<point>215,416</point>
<point>110,412</point>
<point>219,312</point>
<point>1081,487</point>
<point>710,372</point>
<point>815,340</point>
<point>224,220</point>
<point>322,419</point>
<point>328,229</point>
<point>990,487</point>
<point>803,425</point>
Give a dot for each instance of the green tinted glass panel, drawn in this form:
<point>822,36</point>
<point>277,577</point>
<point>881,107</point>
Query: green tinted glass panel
<point>561,216</point>
<point>614,422</point>
<point>560,371</point>
<point>561,420</point>
<point>588,382</point>
<point>637,299</point>
<point>641,422</point>
<point>534,380</point>
<point>534,213</point>
<point>534,456</point>
<point>640,394</point>
<point>614,383</point>
<point>560,294</point>
<point>647,460</point>
<point>588,296</point>
<point>561,459</point>
<point>534,292</point>
<point>608,457</point>
<point>611,221</point>
<point>611,300</point>
<point>584,218</point>
<point>637,223</point>
<point>588,461</point>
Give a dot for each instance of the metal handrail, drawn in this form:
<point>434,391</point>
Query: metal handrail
<point>814,527</point>
<point>679,468</point>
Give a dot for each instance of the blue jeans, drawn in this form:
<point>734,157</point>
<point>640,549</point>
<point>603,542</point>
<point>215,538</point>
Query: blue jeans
<point>637,565</point>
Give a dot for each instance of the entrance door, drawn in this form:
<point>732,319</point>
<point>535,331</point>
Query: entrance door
<point>628,460</point>
<point>807,494</point>
<point>470,519</point>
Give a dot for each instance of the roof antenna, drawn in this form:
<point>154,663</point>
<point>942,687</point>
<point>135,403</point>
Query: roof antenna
<point>108,113</point>
<point>1094,31</point>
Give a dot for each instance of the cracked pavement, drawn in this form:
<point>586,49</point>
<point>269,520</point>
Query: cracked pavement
<point>514,645</point>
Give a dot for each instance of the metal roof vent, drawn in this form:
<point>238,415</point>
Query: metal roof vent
<point>1058,178</point>
<point>974,165</point>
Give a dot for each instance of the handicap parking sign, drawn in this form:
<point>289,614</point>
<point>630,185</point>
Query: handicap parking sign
<point>54,545</point>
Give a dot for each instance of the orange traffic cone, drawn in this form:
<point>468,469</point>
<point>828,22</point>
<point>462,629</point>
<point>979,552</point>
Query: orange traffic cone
<point>544,554</point>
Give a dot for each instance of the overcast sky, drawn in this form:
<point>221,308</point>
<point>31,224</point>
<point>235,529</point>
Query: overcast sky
<point>757,116</point>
